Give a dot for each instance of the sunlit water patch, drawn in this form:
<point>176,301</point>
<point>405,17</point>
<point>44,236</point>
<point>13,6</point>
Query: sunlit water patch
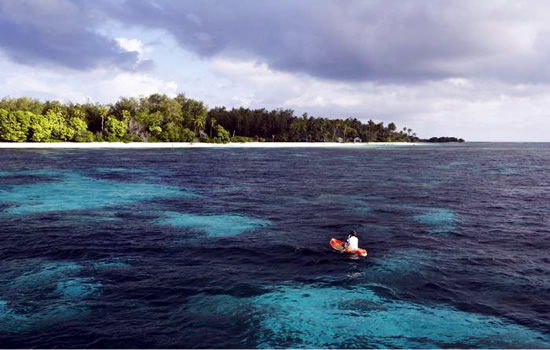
<point>127,171</point>
<point>41,274</point>
<point>11,321</point>
<point>451,165</point>
<point>504,170</point>
<point>319,317</point>
<point>374,198</point>
<point>219,305</point>
<point>37,172</point>
<point>111,263</point>
<point>430,184</point>
<point>226,225</point>
<point>438,220</point>
<point>343,199</point>
<point>77,288</point>
<point>362,210</point>
<point>72,191</point>
<point>399,265</point>
<point>355,203</point>
<point>434,220</point>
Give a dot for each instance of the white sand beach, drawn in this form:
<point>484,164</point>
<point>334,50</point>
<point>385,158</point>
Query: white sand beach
<point>143,145</point>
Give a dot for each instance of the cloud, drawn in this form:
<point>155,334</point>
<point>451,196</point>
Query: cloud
<point>357,40</point>
<point>353,40</point>
<point>131,45</point>
<point>98,85</point>
<point>58,33</point>
<point>129,84</point>
<point>462,68</point>
<point>143,62</point>
<point>475,109</point>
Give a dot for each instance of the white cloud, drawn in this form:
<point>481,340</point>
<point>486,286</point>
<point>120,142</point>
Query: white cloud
<point>125,84</point>
<point>135,45</point>
<point>473,109</point>
<point>251,71</point>
<point>130,45</point>
<point>99,85</point>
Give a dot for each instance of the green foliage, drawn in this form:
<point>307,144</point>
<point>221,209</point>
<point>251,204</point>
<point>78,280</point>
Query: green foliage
<point>174,133</point>
<point>187,135</point>
<point>78,124</point>
<point>21,104</point>
<point>149,120</point>
<point>155,130</point>
<point>445,139</point>
<point>116,129</point>
<point>14,126</point>
<point>132,138</point>
<point>125,108</point>
<point>81,133</point>
<point>199,123</point>
<point>242,139</point>
<point>298,130</point>
<point>60,131</point>
<point>180,119</point>
<point>40,129</point>
<point>84,136</point>
<point>222,134</point>
<point>170,133</point>
<point>191,111</point>
<point>54,106</point>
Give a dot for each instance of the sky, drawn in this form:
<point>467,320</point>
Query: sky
<point>474,69</point>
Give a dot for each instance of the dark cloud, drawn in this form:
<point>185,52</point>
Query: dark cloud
<point>350,40</point>
<point>342,40</point>
<point>57,32</point>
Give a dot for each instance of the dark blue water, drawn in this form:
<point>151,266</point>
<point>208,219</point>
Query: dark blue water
<point>228,248</point>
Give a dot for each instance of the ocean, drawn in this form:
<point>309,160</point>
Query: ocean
<point>228,248</point>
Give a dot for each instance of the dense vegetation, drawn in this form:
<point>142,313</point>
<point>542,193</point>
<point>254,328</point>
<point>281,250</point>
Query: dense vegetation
<point>159,118</point>
<point>444,139</point>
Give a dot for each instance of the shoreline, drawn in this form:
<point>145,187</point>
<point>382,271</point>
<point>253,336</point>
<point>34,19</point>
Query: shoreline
<point>145,145</point>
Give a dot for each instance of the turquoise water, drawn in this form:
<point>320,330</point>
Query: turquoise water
<point>328,317</point>
<point>228,248</point>
<point>68,191</point>
<point>46,293</point>
<point>213,226</point>
<point>438,220</point>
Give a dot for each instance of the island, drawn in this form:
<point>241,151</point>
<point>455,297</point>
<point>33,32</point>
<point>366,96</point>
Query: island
<point>159,118</point>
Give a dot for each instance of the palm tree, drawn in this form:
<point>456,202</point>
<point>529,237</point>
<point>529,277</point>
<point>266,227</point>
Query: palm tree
<point>199,123</point>
<point>336,129</point>
<point>104,110</point>
<point>212,124</point>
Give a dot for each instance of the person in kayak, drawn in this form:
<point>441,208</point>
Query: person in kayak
<point>352,242</point>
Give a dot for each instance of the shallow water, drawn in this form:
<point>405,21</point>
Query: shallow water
<point>228,248</point>
<point>213,225</point>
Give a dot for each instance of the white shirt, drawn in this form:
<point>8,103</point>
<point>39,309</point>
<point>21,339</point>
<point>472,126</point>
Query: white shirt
<point>353,243</point>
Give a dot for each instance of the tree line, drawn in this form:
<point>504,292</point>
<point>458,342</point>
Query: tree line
<point>159,118</point>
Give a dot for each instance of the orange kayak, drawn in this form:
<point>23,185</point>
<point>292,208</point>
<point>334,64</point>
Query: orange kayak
<point>339,246</point>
